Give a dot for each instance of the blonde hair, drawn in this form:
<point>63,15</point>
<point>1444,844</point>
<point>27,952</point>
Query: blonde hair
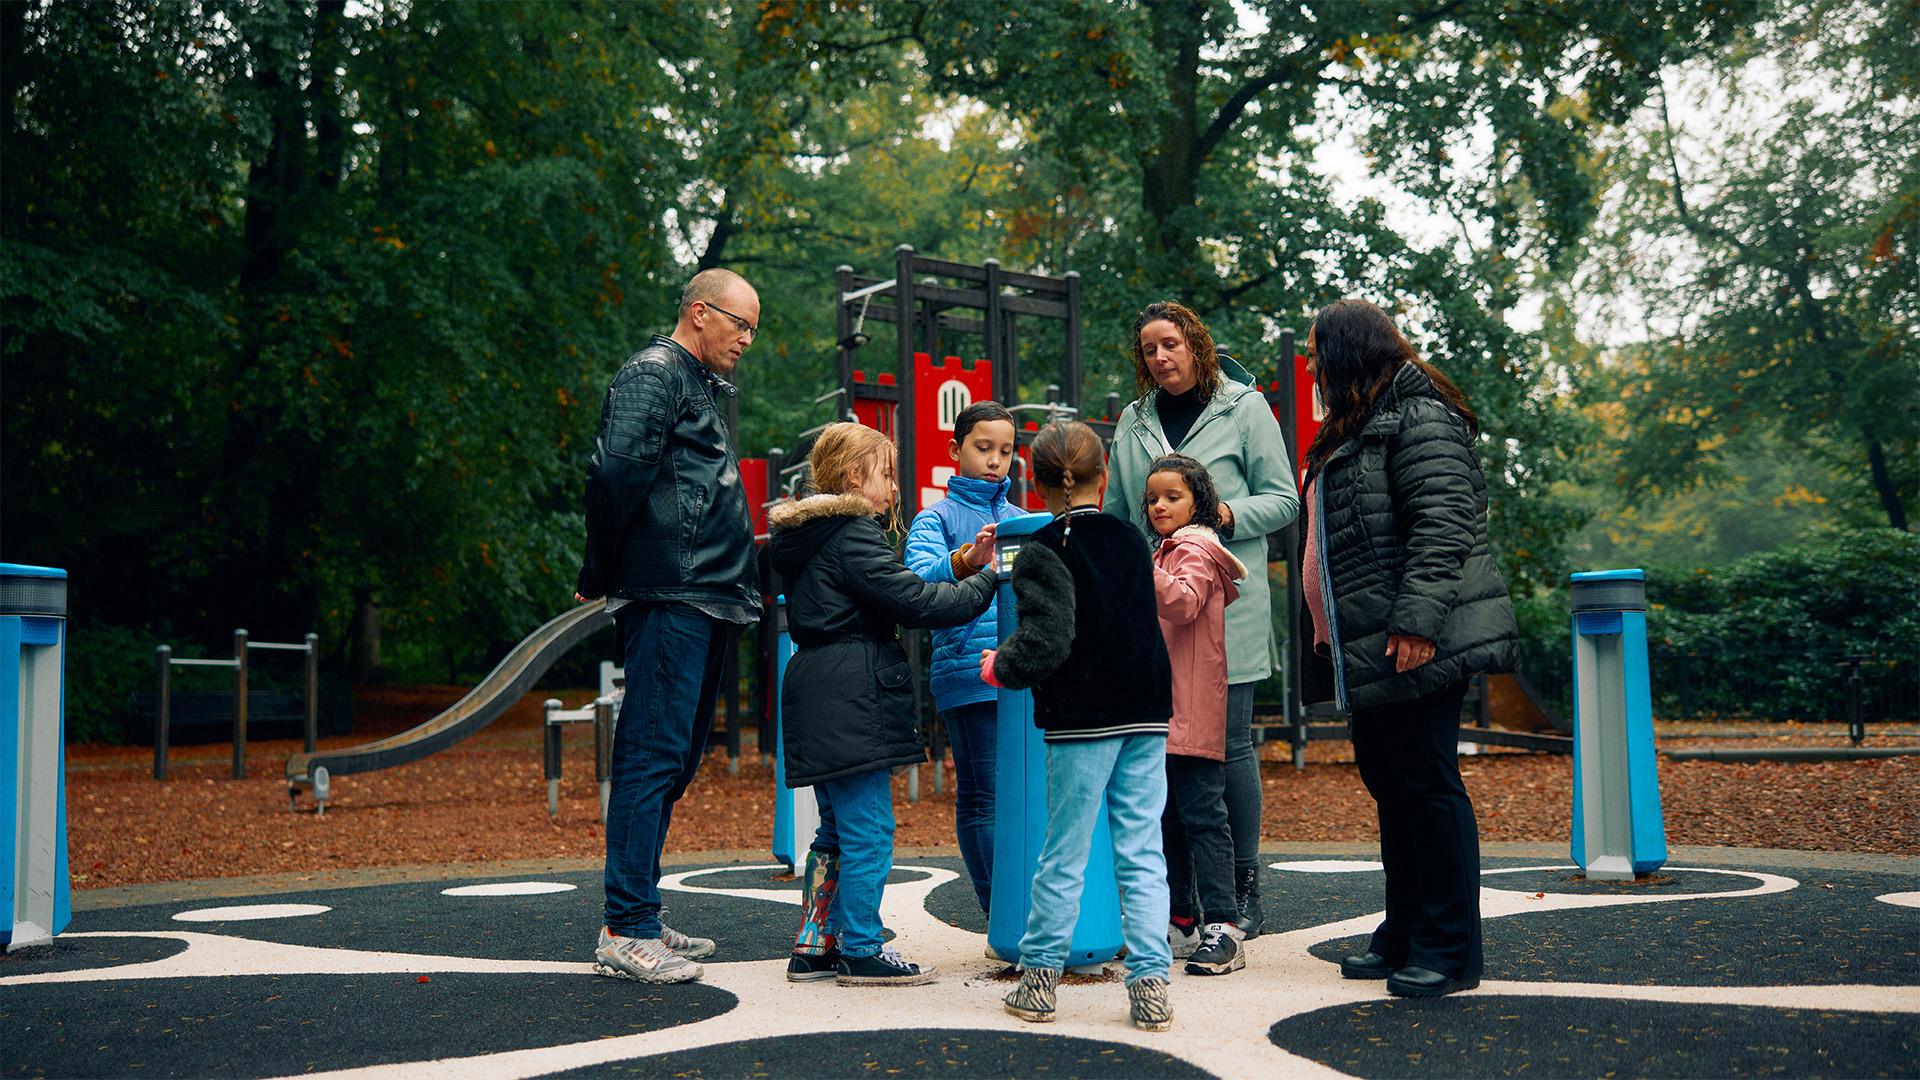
<point>844,456</point>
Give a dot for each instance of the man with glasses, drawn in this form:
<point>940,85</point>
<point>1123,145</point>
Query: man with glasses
<point>670,547</point>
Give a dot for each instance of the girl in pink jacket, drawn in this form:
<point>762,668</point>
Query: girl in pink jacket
<point>1193,576</point>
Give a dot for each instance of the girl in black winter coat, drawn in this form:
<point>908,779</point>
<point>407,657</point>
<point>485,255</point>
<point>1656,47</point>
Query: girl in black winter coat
<point>1406,604</point>
<point>848,720</point>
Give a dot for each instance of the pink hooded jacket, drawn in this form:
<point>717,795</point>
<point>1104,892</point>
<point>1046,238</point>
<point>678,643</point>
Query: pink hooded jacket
<point>1193,576</point>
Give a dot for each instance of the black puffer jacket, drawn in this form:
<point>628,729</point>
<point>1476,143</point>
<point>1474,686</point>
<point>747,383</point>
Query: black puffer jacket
<point>847,702</point>
<point>1401,510</point>
<point>666,516</point>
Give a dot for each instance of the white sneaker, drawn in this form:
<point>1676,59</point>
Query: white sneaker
<point>1183,942</point>
<point>647,960</point>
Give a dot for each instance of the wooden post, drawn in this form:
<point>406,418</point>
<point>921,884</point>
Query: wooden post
<point>239,704</point>
<point>162,713</point>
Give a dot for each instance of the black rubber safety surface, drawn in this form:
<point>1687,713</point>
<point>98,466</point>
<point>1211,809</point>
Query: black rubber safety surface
<point>1475,1036</point>
<point>949,1052</point>
<point>1826,931</point>
<point>266,1025</point>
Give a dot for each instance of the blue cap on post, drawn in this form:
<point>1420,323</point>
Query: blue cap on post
<point>1610,590</point>
<point>32,590</point>
<point>1010,534</point>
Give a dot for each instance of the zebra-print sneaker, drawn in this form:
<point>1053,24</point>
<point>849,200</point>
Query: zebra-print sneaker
<point>1034,998</point>
<point>1147,1004</point>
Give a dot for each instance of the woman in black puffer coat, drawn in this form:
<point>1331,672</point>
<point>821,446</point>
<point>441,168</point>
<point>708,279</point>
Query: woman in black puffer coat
<point>1406,604</point>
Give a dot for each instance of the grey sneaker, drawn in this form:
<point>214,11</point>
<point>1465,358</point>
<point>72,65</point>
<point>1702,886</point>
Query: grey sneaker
<point>693,948</point>
<point>645,960</point>
<point>1148,1006</point>
<point>1183,942</point>
<point>1034,998</point>
<point>1220,951</point>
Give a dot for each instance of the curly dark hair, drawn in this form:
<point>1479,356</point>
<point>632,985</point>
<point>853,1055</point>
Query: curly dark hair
<point>1206,501</point>
<point>1206,359</point>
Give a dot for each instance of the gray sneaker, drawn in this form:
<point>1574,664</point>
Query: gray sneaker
<point>647,960</point>
<point>1148,1006</point>
<point>693,948</point>
<point>1183,942</point>
<point>1034,998</point>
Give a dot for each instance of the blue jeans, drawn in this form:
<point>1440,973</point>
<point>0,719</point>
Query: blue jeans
<point>1130,775</point>
<point>974,731</point>
<point>673,654</point>
<point>856,816</point>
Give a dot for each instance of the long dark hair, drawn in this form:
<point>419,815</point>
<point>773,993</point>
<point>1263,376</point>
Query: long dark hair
<point>1206,501</point>
<point>1358,351</point>
<point>1206,359</point>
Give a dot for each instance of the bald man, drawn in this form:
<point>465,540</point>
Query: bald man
<point>670,547</point>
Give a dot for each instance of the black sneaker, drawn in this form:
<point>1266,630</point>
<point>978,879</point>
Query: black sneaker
<point>885,968</point>
<point>1220,951</point>
<point>812,967</point>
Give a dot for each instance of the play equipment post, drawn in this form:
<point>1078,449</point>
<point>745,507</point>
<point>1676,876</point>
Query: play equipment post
<point>1020,806</point>
<point>1617,826</point>
<point>34,888</point>
<point>796,814</point>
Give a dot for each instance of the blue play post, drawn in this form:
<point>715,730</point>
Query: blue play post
<point>1020,807</point>
<point>34,890</point>
<point>1617,826</point>
<point>796,816</point>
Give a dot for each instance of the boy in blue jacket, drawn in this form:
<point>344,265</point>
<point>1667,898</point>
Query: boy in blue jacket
<point>982,451</point>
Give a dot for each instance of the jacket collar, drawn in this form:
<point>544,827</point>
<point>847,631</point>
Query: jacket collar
<point>1408,382</point>
<point>1235,380</point>
<point>985,494</point>
<point>1210,542</point>
<point>794,513</point>
<point>714,382</point>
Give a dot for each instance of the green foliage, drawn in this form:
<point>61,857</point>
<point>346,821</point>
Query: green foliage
<point>105,663</point>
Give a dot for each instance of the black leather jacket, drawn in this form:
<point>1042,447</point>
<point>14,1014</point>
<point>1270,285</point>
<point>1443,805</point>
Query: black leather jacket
<point>1401,510</point>
<point>666,516</point>
<point>847,701</point>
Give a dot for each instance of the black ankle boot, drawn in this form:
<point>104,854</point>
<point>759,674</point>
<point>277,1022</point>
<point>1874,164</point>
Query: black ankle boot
<point>1246,888</point>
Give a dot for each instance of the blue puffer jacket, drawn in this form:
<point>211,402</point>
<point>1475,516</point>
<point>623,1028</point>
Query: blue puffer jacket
<point>938,532</point>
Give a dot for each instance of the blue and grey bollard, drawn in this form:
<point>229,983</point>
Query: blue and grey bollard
<point>34,889</point>
<point>1020,807</point>
<point>1617,826</point>
<point>796,815</point>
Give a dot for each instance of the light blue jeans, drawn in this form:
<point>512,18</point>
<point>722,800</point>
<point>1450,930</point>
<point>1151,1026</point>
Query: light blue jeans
<point>1129,775</point>
<point>856,816</point>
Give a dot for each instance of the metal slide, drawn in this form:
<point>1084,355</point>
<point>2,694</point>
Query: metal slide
<point>505,685</point>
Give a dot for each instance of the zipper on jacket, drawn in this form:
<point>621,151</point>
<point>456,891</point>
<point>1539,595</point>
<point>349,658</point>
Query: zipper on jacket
<point>1326,587</point>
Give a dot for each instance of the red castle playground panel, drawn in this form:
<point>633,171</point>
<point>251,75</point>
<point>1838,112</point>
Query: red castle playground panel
<point>942,390</point>
<point>1306,424</point>
<point>753,481</point>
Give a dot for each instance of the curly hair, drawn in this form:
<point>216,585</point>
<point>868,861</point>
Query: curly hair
<point>1206,500</point>
<point>1206,359</point>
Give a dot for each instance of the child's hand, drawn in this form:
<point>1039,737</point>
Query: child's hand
<point>986,668</point>
<point>981,553</point>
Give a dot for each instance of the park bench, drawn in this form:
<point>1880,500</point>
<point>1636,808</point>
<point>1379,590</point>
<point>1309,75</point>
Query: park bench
<point>206,716</point>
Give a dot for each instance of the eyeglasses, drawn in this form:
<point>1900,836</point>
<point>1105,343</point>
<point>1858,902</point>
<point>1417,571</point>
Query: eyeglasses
<point>746,327</point>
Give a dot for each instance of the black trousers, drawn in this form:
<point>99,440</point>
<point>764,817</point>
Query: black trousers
<point>1198,842</point>
<point>1408,753</point>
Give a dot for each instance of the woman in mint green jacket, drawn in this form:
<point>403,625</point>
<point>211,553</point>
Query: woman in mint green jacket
<point>1197,402</point>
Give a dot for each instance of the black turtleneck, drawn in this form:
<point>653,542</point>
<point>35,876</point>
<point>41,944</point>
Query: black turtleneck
<point>1178,412</point>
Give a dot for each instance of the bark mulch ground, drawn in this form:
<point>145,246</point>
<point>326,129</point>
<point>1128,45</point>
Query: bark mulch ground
<point>485,800</point>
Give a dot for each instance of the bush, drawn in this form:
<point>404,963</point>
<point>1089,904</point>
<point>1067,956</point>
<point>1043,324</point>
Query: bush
<point>104,663</point>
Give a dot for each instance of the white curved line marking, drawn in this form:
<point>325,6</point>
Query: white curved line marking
<point>1900,899</point>
<point>250,912</point>
<point>1328,866</point>
<point>510,888</point>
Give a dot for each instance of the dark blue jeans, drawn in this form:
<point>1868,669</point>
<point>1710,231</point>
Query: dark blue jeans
<point>973,731</point>
<point>673,654</point>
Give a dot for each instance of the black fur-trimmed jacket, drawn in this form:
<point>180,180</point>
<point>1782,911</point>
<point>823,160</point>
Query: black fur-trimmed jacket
<point>847,701</point>
<point>1401,512</point>
<point>1089,641</point>
<point>666,516</point>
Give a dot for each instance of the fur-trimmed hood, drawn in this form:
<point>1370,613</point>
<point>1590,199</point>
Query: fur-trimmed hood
<point>1209,541</point>
<point>800,527</point>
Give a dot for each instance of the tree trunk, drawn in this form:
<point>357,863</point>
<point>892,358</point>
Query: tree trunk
<point>365,663</point>
<point>1883,484</point>
<point>1167,170</point>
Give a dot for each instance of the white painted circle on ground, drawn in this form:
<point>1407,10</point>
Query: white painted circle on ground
<point>509,888</point>
<point>249,912</point>
<point>1900,899</point>
<point>1328,866</point>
